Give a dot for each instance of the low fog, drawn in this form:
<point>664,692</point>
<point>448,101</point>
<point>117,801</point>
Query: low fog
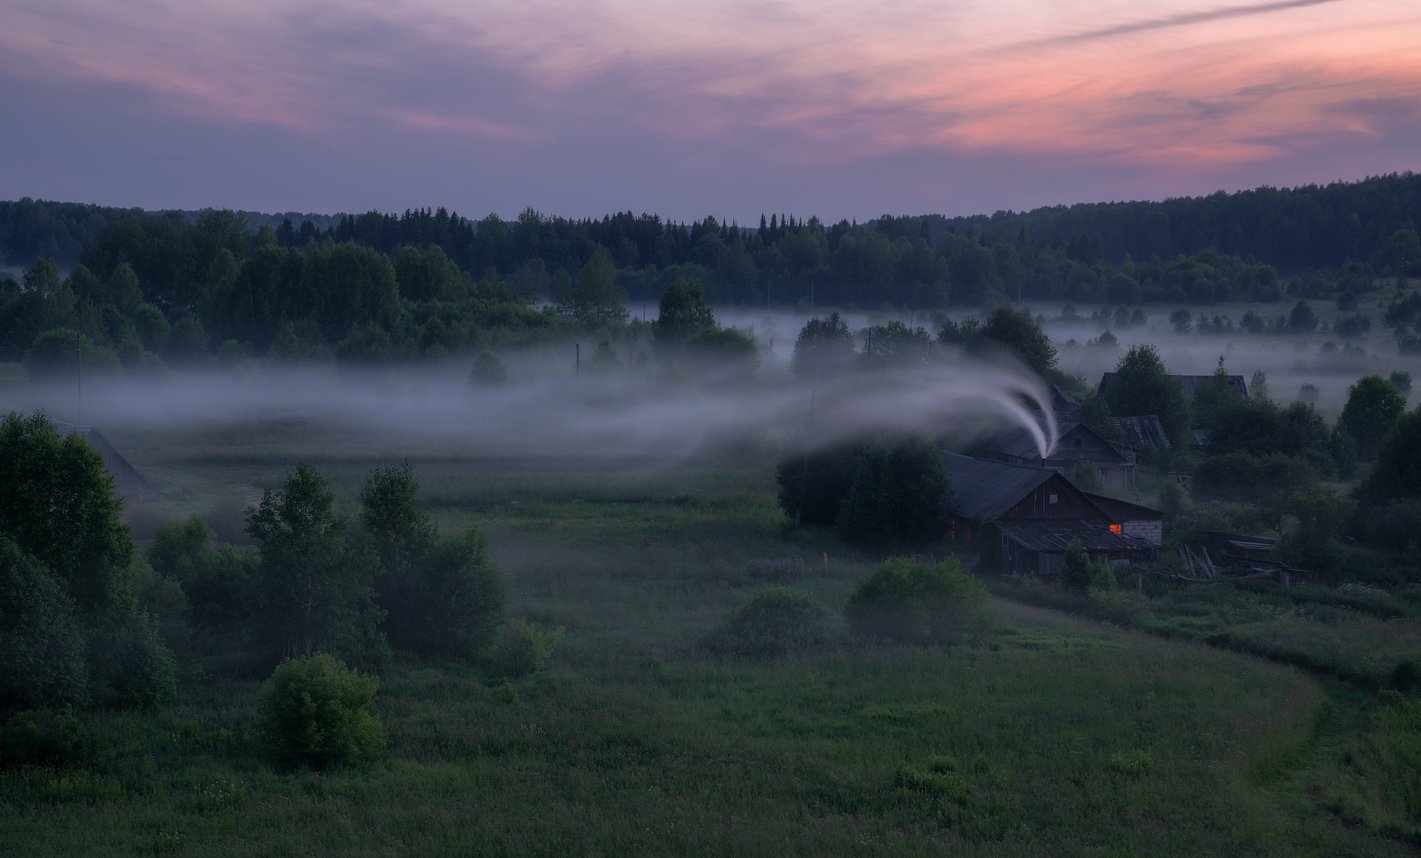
<point>551,407</point>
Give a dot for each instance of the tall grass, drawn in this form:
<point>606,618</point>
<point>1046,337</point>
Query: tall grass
<point>1049,735</point>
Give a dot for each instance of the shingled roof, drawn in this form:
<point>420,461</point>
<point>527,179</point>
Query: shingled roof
<point>1191,384</point>
<point>1055,536</point>
<point>1142,432</point>
<point>983,489</point>
<point>127,481</point>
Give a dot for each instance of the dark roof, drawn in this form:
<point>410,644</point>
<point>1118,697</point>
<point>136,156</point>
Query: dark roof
<point>1018,443</point>
<point>1063,404</point>
<point>1053,536</point>
<point>1141,432</point>
<point>1121,510</point>
<point>983,490</point>
<point>1191,384</point>
<point>127,481</point>
<point>1102,451</point>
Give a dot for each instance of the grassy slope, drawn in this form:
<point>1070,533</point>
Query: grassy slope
<point>1049,735</point>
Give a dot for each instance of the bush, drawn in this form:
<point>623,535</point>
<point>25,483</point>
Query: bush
<point>525,648</point>
<point>1080,572</point>
<point>41,643</point>
<point>182,551</point>
<point>913,602</point>
<point>775,622</point>
<point>488,371</point>
<point>44,737</point>
<point>128,661</point>
<point>1393,525</point>
<point>450,601</point>
<point>315,711</point>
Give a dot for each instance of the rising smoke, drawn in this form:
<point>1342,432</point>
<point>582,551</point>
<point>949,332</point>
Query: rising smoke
<point>554,410</point>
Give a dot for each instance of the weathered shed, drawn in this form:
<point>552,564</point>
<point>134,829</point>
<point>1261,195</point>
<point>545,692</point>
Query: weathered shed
<point>1135,519</point>
<point>1077,443</point>
<point>128,482</point>
<point>1143,432</point>
<point>1023,517</point>
<point>1191,385</point>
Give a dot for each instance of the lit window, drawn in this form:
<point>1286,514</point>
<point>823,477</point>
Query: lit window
<point>1115,528</point>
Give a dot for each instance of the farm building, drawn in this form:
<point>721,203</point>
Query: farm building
<point>1022,518</point>
<point>1143,433</point>
<point>127,482</point>
<point>1078,442</point>
<point>1190,384</point>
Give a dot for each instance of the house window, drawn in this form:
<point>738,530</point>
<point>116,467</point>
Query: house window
<point>1051,498</point>
<point>1115,528</point>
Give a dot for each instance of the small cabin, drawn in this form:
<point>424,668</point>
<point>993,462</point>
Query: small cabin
<point>1022,518</point>
<point>1077,443</point>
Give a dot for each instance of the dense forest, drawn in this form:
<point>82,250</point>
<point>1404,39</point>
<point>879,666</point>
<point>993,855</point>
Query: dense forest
<point>137,288</point>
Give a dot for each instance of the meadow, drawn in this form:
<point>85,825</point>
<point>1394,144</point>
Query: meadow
<point>1045,733</point>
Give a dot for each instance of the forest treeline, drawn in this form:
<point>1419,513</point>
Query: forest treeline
<point>131,286</point>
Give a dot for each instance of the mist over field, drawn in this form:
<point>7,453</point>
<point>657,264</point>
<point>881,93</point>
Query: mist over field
<point>549,407</point>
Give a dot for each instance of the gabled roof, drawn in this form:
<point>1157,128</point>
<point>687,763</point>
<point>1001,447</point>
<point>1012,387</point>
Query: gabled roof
<point>983,489</point>
<point>1063,404</point>
<point>127,481</point>
<point>1055,536</point>
<point>1141,432</point>
<point>1121,510</point>
<point>1064,450</point>
<point>1191,384</point>
<point>1018,443</point>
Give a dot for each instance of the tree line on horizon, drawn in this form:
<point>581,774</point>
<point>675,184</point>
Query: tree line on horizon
<point>180,285</point>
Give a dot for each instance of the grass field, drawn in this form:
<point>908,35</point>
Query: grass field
<point>1045,734</point>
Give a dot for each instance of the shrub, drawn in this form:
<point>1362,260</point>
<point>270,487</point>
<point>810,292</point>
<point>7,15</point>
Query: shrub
<point>1405,677</point>
<point>41,643</point>
<point>913,602</point>
<point>488,371</point>
<point>217,583</point>
<point>128,661</point>
<point>45,737</point>
<point>315,711</point>
<point>449,602</point>
<point>1080,572</point>
<point>775,622</point>
<point>525,648</point>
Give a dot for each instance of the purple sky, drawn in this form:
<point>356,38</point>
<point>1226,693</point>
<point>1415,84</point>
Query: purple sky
<point>728,109</point>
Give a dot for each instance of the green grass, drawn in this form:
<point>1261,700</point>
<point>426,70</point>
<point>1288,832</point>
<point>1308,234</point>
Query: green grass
<point>1045,734</point>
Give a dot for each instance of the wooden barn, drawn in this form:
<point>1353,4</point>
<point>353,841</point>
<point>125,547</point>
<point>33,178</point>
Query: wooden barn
<point>1190,384</point>
<point>1078,442</point>
<point>1021,519</point>
<point>128,483</point>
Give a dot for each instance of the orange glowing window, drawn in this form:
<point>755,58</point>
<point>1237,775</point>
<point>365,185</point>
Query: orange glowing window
<point>1114,528</point>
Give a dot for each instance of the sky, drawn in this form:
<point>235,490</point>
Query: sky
<point>729,108</point>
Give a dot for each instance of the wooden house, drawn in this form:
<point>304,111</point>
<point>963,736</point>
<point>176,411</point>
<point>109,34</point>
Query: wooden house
<point>1078,442</point>
<point>1190,384</point>
<point>1021,518</point>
